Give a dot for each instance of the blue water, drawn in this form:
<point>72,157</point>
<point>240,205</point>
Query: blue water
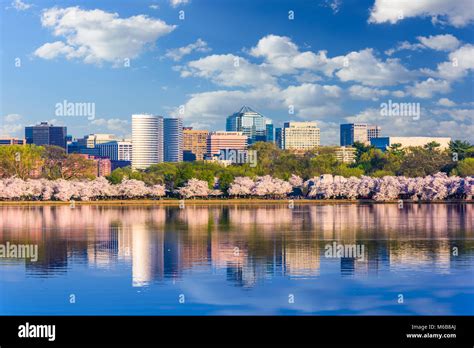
<point>246,259</point>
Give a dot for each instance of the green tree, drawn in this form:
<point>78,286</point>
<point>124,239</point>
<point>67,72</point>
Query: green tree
<point>465,167</point>
<point>23,161</point>
<point>54,160</point>
<point>461,149</point>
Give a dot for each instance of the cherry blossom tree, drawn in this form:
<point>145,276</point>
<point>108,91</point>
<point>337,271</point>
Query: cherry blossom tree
<point>241,186</point>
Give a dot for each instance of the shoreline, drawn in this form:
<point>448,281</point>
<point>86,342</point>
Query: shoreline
<point>243,201</point>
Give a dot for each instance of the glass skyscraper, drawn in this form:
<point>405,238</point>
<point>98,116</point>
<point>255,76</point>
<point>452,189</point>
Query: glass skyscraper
<point>173,139</point>
<point>46,134</point>
<point>250,123</point>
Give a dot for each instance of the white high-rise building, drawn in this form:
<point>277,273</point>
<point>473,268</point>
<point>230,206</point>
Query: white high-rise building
<point>147,140</point>
<point>116,150</point>
<point>300,136</point>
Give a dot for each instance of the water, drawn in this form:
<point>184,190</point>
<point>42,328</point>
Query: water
<point>239,259</point>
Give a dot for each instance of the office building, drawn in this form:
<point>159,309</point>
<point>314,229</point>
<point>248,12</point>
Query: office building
<point>300,136</point>
<point>12,141</point>
<point>278,132</point>
<point>173,139</point>
<point>46,134</point>
<point>346,154</point>
<point>194,144</point>
<point>269,133</point>
<point>358,132</point>
<point>250,123</point>
<point>373,132</point>
<point>217,141</point>
<point>92,140</point>
<point>103,166</point>
<point>147,140</point>
<point>116,150</point>
<point>384,143</point>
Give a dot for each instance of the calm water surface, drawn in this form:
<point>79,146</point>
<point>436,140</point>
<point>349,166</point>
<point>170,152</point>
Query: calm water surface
<point>264,259</point>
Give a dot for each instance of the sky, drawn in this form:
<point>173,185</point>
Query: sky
<point>328,61</point>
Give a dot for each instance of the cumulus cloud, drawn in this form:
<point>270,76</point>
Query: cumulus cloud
<point>228,70</point>
<point>446,42</point>
<point>367,93</point>
<point>177,54</point>
<point>112,124</point>
<point>96,36</point>
<point>428,88</point>
<point>457,13</point>
<point>461,61</point>
<point>432,122</point>
<point>282,56</point>
<point>365,68</point>
<point>446,102</point>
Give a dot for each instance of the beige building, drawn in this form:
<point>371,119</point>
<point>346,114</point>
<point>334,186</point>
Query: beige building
<point>385,142</point>
<point>195,141</point>
<point>300,136</point>
<point>92,140</point>
<point>346,154</point>
<point>220,140</point>
<point>12,141</point>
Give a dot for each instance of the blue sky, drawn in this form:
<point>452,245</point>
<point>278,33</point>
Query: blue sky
<point>331,62</point>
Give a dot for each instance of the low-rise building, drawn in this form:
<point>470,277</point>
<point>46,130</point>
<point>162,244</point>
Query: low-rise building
<point>383,143</point>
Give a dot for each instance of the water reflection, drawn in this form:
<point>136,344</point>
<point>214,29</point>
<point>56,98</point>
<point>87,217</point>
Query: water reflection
<point>249,244</point>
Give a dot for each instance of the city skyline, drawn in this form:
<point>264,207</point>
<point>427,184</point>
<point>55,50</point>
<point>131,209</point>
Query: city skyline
<point>183,66</point>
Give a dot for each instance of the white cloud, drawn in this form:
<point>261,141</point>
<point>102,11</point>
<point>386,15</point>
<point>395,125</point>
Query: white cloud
<point>367,69</point>
<point>112,124</point>
<point>96,36</point>
<point>176,3</point>
<point>460,63</point>
<point>446,42</point>
<point>228,70</point>
<point>178,53</point>
<point>446,102</point>
<point>20,5</point>
<point>367,93</point>
<point>428,88</point>
<point>282,56</point>
<point>154,7</point>
<point>10,118</point>
<point>55,49</point>
<point>458,13</point>
<point>10,125</point>
<point>431,123</point>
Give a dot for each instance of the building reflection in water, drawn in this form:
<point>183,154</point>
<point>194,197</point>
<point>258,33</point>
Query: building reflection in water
<point>247,244</point>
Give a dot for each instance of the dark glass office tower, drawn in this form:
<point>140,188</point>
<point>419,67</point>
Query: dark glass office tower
<point>46,134</point>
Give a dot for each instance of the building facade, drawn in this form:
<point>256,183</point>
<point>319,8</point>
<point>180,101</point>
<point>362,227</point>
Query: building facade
<point>384,143</point>
<point>358,132</point>
<point>346,154</point>
<point>217,141</point>
<point>46,134</point>
<point>116,150</point>
<point>92,140</point>
<point>250,123</point>
<point>195,143</point>
<point>300,136</point>
<point>147,140</point>
<point>12,141</point>
<point>173,139</point>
